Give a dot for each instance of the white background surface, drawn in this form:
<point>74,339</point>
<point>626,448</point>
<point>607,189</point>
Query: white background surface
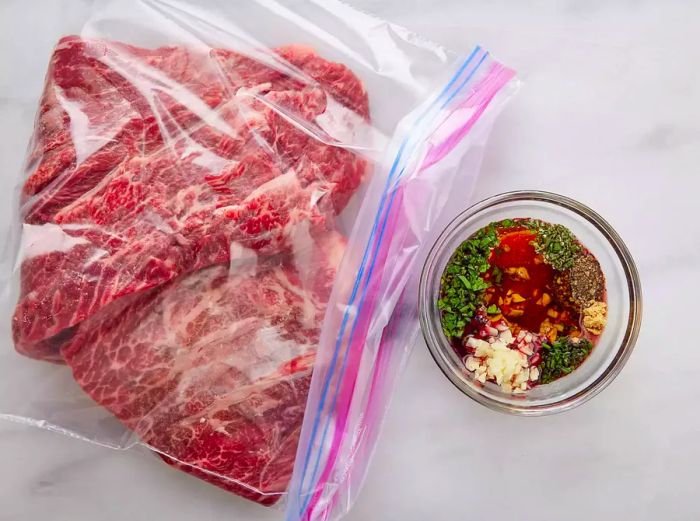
<point>609,113</point>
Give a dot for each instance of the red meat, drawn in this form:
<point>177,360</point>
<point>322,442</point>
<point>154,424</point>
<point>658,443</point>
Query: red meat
<point>179,246</point>
<point>151,163</point>
<point>212,369</point>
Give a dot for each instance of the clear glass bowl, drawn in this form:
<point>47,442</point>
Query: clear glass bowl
<point>623,293</point>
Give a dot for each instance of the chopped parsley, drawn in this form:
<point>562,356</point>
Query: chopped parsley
<point>561,357</point>
<point>555,243</point>
<point>462,283</point>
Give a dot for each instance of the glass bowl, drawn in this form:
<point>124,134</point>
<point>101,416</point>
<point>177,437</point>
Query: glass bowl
<point>623,296</point>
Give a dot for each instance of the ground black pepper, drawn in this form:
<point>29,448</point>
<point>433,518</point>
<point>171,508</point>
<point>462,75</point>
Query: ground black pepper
<point>586,279</point>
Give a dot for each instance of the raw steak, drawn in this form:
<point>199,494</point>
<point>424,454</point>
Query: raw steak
<point>150,164</point>
<point>213,368</point>
<point>178,242</point>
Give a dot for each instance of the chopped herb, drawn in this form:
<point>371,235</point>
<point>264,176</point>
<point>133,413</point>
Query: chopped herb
<point>561,357</point>
<point>555,243</point>
<point>465,281</point>
<point>497,275</point>
<point>493,309</point>
<point>462,283</point>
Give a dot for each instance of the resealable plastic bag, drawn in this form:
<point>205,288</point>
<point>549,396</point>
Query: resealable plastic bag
<point>218,230</point>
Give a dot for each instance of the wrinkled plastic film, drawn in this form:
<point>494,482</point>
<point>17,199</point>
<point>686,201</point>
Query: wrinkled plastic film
<point>197,172</point>
<point>194,175</point>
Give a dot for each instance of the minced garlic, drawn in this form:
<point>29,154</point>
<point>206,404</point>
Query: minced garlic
<point>496,361</point>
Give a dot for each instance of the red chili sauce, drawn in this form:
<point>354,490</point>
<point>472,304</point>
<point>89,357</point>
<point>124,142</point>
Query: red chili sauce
<point>522,285</point>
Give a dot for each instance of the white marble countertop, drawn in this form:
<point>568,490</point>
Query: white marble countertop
<point>609,113</point>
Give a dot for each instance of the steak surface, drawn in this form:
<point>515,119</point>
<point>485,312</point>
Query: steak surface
<point>151,164</point>
<point>179,243</point>
<point>212,369</point>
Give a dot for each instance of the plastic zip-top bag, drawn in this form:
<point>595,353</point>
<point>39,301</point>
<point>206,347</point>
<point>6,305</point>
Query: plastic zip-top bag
<point>372,318</point>
<point>221,213</point>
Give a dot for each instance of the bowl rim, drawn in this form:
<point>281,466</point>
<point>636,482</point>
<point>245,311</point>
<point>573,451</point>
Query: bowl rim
<point>624,350</point>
